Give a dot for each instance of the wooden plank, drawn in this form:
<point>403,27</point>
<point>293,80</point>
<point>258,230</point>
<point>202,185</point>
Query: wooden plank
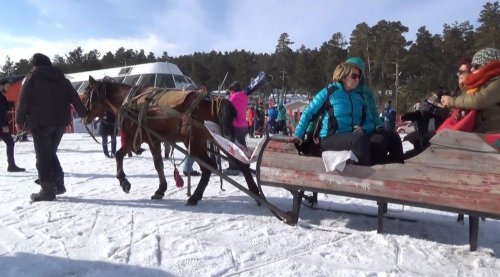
<point>442,157</point>
<point>462,140</point>
<point>390,190</point>
<point>473,182</point>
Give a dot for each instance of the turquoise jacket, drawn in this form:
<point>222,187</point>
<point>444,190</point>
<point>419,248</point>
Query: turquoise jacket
<point>367,92</point>
<point>281,112</point>
<point>348,110</point>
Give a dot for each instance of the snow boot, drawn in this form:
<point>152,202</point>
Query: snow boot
<point>60,188</point>
<point>47,193</point>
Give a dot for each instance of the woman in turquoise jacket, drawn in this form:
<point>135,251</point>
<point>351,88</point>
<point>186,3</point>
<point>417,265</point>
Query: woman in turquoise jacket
<point>386,146</point>
<point>350,112</point>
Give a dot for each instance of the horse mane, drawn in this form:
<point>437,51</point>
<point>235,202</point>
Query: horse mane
<point>226,115</point>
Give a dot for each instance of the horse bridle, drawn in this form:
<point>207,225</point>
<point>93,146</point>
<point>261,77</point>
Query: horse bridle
<point>88,103</point>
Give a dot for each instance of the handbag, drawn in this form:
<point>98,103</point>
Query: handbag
<point>459,121</point>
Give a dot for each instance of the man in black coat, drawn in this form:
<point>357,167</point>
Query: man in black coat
<point>4,124</point>
<point>44,107</point>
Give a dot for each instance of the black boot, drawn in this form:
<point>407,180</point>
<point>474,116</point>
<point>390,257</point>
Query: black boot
<point>60,188</point>
<point>47,193</point>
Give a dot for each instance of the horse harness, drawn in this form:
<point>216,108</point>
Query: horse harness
<point>150,100</point>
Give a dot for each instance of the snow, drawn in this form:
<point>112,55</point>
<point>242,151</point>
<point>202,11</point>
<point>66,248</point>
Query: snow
<point>95,229</point>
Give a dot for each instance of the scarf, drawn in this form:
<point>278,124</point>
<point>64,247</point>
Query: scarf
<point>480,77</point>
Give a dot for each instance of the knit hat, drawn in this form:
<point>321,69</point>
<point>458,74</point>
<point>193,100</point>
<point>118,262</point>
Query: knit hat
<point>40,60</point>
<point>358,62</point>
<point>485,56</point>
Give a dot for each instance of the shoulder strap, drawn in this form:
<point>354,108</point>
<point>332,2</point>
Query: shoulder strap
<point>363,111</point>
<point>329,108</point>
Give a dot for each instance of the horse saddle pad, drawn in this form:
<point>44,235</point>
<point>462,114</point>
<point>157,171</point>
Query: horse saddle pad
<point>165,97</point>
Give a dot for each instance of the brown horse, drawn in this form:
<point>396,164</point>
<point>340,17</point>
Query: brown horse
<point>176,116</point>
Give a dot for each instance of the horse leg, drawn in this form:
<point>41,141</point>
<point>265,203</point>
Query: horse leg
<point>201,152</point>
<point>158,162</point>
<point>120,174</point>
<point>200,188</point>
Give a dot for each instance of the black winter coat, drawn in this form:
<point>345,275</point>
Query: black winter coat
<point>46,98</point>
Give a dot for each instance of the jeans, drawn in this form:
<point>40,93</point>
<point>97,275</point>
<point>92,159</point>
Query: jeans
<point>188,165</point>
<point>105,145</point>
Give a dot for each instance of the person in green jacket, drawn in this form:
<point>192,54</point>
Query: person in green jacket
<point>382,141</point>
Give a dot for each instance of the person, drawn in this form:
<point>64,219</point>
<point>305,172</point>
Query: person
<point>5,132</point>
<point>281,118</point>
<point>482,91</point>
<point>272,115</point>
<point>349,123</point>
<point>258,121</point>
<point>187,168</point>
<point>464,70</point>
<point>293,122</point>
<point>44,107</point>
<point>107,128</point>
<point>250,119</point>
<point>386,145</point>
<point>239,99</point>
<point>389,117</point>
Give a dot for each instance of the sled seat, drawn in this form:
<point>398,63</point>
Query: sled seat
<point>458,173</point>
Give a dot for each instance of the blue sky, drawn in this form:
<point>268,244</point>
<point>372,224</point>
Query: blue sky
<point>187,26</point>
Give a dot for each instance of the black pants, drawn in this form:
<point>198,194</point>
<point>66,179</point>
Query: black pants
<point>9,142</point>
<point>386,147</point>
<point>359,144</point>
<point>240,136</point>
<point>46,140</point>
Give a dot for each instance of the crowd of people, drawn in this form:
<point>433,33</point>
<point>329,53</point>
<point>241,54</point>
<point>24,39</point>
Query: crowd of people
<point>348,116</point>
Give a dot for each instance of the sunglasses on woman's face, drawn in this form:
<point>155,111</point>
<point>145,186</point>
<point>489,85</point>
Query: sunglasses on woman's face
<point>460,72</point>
<point>355,76</point>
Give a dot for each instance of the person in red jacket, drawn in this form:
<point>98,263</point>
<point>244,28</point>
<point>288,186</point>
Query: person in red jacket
<point>250,119</point>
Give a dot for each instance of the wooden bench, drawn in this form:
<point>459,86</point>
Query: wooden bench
<point>459,173</point>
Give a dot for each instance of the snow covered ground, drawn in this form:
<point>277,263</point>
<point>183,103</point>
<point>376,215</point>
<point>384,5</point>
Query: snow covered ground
<point>97,230</point>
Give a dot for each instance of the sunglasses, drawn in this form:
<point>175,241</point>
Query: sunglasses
<point>460,72</point>
<point>355,76</point>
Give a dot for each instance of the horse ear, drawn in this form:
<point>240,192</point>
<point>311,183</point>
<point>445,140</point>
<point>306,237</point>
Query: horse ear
<point>91,80</point>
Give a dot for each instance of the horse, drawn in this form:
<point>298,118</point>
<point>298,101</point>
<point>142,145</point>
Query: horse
<point>176,115</point>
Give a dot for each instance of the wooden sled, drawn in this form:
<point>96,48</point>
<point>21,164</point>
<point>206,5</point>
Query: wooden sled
<point>459,172</point>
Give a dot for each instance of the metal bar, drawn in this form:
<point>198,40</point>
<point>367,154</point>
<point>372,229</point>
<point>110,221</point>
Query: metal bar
<point>282,215</point>
<point>473,232</point>
<point>380,216</point>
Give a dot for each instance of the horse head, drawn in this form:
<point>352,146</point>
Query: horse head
<point>94,99</point>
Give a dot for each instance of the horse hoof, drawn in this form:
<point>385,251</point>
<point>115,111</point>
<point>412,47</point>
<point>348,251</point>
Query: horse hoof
<point>157,196</point>
<point>192,202</point>
<point>125,186</point>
